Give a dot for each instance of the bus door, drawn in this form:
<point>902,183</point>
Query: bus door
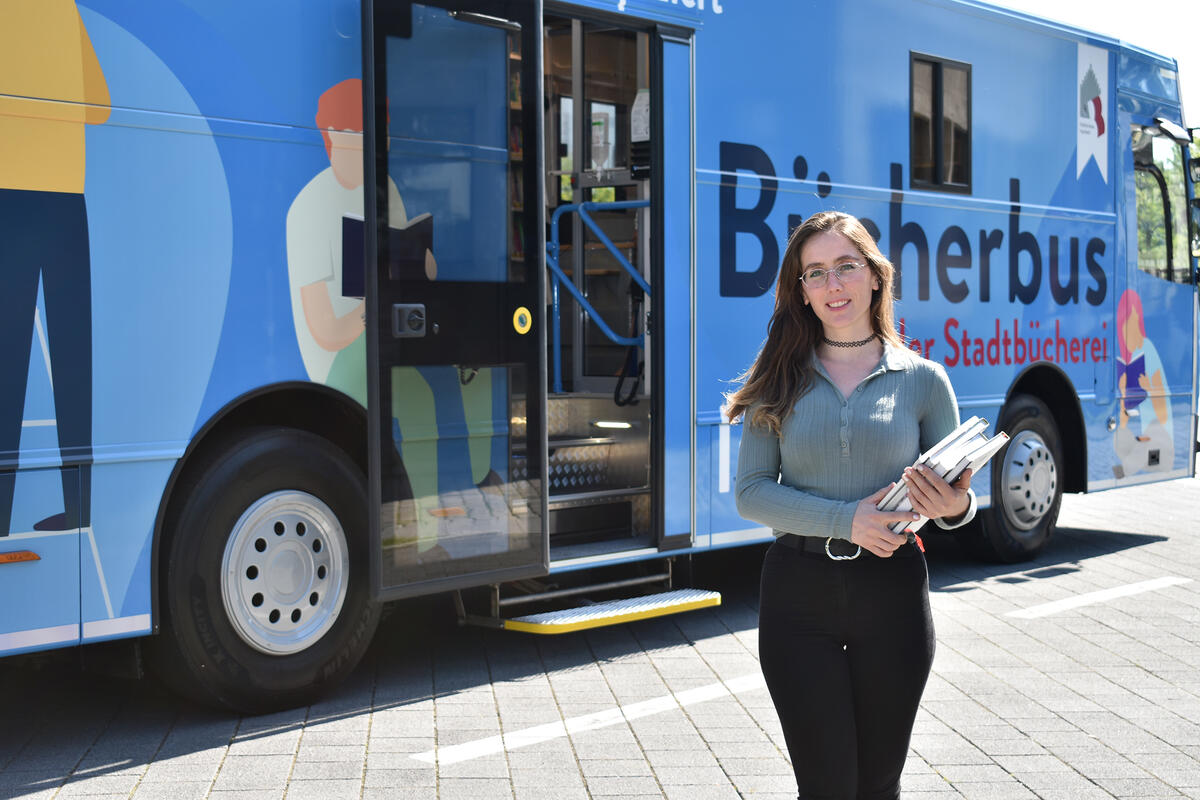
<point>455,288</point>
<point>619,256</point>
<point>1156,339</point>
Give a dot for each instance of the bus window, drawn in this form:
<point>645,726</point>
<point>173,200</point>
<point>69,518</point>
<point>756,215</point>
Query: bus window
<point>1162,219</point>
<point>940,144</point>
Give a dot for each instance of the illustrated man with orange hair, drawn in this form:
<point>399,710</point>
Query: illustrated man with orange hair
<point>329,326</point>
<point>51,88</point>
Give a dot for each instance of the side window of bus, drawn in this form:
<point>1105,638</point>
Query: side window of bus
<point>1162,211</point>
<point>940,144</point>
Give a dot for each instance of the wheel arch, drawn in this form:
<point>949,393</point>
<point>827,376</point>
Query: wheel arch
<point>303,406</point>
<point>1050,384</point>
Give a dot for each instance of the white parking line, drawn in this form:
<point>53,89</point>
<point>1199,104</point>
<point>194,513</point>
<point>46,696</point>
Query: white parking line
<point>587,722</point>
<point>1046,609</point>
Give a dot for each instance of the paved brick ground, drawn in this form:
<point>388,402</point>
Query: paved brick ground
<point>1100,700</point>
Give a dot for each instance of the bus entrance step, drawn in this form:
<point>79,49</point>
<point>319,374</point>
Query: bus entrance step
<point>614,612</point>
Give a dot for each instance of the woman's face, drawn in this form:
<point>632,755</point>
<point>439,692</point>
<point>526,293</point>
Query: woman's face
<point>843,308</point>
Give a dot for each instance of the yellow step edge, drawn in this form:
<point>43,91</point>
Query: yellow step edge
<point>614,612</point>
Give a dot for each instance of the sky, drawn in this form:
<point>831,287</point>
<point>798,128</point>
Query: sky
<point>1167,27</point>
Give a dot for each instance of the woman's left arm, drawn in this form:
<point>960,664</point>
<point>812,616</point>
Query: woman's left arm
<point>950,505</point>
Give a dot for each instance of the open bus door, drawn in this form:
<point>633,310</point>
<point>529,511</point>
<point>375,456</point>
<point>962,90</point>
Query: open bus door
<point>454,286</point>
<point>620,206</point>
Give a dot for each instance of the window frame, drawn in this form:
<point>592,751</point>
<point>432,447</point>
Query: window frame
<point>937,122</point>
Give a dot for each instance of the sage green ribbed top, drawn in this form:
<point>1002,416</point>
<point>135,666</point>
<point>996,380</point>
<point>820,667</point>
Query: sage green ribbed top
<point>833,451</point>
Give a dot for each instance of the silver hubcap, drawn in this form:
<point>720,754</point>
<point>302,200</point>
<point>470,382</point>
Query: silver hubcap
<point>1030,480</point>
<point>284,573</point>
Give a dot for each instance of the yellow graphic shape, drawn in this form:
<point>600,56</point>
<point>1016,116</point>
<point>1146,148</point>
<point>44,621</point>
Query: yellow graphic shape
<point>51,85</point>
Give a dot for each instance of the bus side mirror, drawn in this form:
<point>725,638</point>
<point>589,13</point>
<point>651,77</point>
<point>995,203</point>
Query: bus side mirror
<point>1172,130</point>
<point>1194,167</point>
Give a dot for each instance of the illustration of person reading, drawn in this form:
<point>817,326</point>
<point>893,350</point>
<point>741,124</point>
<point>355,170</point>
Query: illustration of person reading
<point>1144,435</point>
<point>327,305</point>
<point>325,273</point>
<point>46,55</point>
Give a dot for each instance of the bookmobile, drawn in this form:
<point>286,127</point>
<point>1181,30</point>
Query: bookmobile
<point>309,307</point>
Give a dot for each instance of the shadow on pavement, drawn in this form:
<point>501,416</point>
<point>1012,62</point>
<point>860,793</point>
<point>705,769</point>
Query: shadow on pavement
<point>950,565</point>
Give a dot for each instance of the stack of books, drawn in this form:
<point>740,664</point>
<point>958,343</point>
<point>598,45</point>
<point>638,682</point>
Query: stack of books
<point>967,447</point>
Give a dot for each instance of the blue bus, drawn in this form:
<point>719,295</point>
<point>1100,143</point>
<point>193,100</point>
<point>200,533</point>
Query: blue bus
<point>310,309</point>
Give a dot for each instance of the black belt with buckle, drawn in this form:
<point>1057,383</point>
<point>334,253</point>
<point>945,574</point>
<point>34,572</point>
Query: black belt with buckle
<point>834,549</point>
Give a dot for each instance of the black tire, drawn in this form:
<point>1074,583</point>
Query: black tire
<point>1026,486</point>
<point>301,503</point>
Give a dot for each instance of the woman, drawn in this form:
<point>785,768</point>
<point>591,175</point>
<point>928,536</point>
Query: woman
<point>1144,411</point>
<point>835,407</point>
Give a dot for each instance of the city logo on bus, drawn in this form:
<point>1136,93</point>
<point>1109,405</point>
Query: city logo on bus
<point>1091,140</point>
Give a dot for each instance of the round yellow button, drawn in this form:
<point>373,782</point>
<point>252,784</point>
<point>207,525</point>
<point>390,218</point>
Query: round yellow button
<point>522,320</point>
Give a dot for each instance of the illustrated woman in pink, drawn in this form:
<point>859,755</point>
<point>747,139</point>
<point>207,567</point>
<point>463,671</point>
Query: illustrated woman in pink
<point>1144,441</point>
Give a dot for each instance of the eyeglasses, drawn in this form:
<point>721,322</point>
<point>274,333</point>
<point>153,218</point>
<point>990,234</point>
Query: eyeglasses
<point>846,273</point>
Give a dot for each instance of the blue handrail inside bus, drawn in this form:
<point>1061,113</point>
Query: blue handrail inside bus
<point>552,252</point>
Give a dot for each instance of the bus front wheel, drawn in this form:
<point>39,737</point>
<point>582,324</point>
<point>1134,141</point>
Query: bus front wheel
<point>1026,486</point>
<point>265,587</point>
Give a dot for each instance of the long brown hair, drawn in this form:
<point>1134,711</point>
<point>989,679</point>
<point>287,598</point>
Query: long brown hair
<point>783,371</point>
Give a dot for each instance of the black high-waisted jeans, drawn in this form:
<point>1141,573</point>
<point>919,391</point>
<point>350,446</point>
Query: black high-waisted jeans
<point>846,648</point>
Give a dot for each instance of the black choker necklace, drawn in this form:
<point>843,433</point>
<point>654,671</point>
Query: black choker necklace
<point>859,343</point>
